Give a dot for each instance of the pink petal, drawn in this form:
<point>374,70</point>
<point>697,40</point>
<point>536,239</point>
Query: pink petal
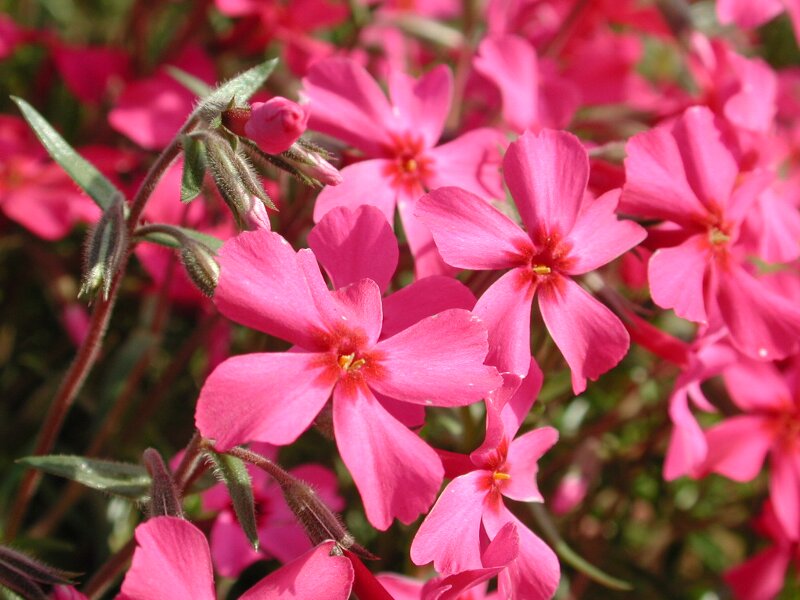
<point>347,103</point>
<point>88,70</point>
<point>354,244</point>
<point>758,386</point>
<point>761,577</point>
<point>737,447</point>
<point>471,161</point>
<point>522,464</point>
<point>262,285</point>
<point>676,277</point>
<point>361,309</point>
<point>687,448</point>
<point>410,415</point>
<point>547,176</point>
<point>230,547</point>
<point>784,490</point>
<point>510,63</point>
<point>316,575</point>
<point>709,166</point>
<point>598,237</point>
<point>423,298</point>
<point>656,183</point>
<point>501,551</point>
<point>362,183</point>
<point>762,324</point>
<point>171,554</point>
<point>534,574</point>
<point>438,361</point>
<point>450,534</point>
<point>469,232</point>
<point>396,473</point>
<point>427,260</point>
<point>400,586</point>
<point>753,105</point>
<point>746,13</point>
<point>268,397</point>
<point>515,410</point>
<point>422,105</point>
<point>591,337</point>
<point>505,308</point>
<point>778,227</point>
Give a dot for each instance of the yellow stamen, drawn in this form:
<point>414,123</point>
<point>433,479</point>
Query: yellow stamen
<point>357,364</point>
<point>542,270</point>
<point>499,475</point>
<point>346,360</point>
<point>715,236</point>
<point>410,165</point>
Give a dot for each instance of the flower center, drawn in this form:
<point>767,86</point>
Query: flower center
<point>349,362</point>
<point>410,167</point>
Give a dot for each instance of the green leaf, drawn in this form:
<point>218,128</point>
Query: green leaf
<point>164,239</point>
<point>194,168</point>
<point>197,86</point>
<point>233,473</point>
<point>88,178</point>
<point>240,87</point>
<point>122,479</point>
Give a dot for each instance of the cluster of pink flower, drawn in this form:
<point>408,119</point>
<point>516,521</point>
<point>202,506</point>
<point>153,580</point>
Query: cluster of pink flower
<point>695,187</point>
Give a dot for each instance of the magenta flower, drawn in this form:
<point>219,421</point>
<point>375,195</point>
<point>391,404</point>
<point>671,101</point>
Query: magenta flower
<point>172,554</point>
<point>274,397</point>
<point>399,139</point>
<point>471,508</point>
<point>683,173</point>
<point>567,235</point>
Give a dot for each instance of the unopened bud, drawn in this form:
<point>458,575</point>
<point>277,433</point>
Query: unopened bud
<point>238,184</point>
<point>277,124</point>
<point>309,161</point>
<point>201,265</point>
<point>105,249</point>
<point>26,576</point>
<point>164,497</point>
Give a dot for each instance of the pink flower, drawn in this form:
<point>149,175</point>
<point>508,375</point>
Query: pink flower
<point>338,350</point>
<point>471,508</point>
<point>399,139</point>
<point>567,235</point>
<point>172,554</point>
<point>684,174</point>
<point>88,71</point>
<point>276,124</point>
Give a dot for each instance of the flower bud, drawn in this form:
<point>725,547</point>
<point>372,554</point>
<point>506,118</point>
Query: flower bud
<point>201,265</point>
<point>26,576</point>
<point>310,162</point>
<point>277,124</point>
<point>105,249</point>
<point>238,184</point>
<point>165,500</point>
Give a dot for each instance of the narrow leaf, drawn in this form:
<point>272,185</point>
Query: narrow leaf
<point>194,168</point>
<point>164,239</point>
<point>123,479</point>
<point>88,178</point>
<point>197,86</point>
<point>240,87</point>
<point>233,473</point>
